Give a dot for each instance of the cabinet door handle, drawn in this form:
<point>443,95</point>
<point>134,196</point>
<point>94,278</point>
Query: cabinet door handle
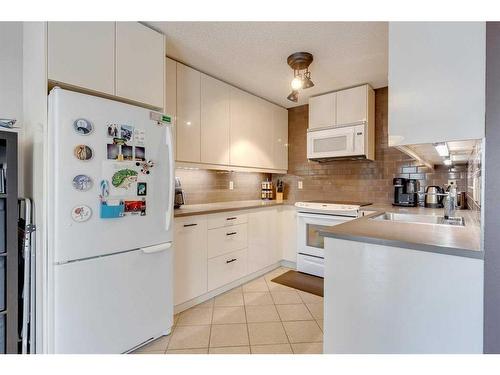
<point>231,218</point>
<point>231,260</point>
<point>231,233</point>
<point>189,225</point>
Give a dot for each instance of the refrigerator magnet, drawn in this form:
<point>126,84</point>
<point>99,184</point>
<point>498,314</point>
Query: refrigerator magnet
<point>82,182</point>
<point>140,153</point>
<point>139,137</point>
<point>137,207</point>
<point>112,209</point>
<point>126,132</point>
<point>145,166</point>
<point>81,213</point>
<point>104,188</point>
<point>142,189</point>
<point>123,178</point>
<point>83,126</point>
<point>83,152</point>
<point>113,130</point>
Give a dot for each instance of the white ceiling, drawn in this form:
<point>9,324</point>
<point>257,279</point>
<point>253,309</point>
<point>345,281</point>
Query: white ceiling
<point>252,55</point>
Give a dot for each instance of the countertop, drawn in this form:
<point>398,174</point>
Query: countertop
<point>211,208</point>
<point>462,241</point>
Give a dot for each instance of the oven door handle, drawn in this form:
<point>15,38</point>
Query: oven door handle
<point>327,217</point>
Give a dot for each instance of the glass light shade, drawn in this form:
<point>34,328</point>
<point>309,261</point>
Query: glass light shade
<point>307,83</point>
<point>297,83</point>
<point>294,96</point>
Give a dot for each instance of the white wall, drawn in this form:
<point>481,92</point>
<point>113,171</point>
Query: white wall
<point>35,127</point>
<point>11,82</point>
<point>11,74</point>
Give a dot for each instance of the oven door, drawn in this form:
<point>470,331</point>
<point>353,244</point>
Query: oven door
<point>335,142</point>
<point>309,241</point>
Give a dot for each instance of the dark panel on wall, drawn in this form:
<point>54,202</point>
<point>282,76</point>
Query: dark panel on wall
<point>491,189</point>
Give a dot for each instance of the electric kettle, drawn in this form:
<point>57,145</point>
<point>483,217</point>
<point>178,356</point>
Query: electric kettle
<point>432,199</point>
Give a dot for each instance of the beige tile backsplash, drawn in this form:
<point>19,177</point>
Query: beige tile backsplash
<point>208,186</point>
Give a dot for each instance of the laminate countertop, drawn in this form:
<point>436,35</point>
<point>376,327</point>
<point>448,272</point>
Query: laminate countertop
<point>462,241</point>
<point>211,208</point>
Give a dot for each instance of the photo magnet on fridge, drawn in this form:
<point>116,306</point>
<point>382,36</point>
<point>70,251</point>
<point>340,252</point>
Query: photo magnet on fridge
<point>140,153</point>
<point>127,153</point>
<point>142,188</point>
<point>127,132</point>
<point>136,207</point>
<point>113,130</point>
<point>113,151</point>
<point>139,137</point>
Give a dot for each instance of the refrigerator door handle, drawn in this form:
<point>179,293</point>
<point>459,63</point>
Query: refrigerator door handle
<point>171,167</point>
<point>157,248</point>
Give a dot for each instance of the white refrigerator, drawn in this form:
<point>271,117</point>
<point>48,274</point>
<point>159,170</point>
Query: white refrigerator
<point>110,214</point>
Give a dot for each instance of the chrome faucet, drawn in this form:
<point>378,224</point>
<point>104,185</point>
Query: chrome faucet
<point>450,202</point>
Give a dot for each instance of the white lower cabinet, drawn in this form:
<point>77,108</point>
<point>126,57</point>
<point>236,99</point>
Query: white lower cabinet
<point>226,239</point>
<point>262,245</point>
<point>190,258</point>
<point>214,250</point>
<point>226,219</point>
<point>226,268</point>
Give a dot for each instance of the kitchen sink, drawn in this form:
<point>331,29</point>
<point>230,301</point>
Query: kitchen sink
<point>420,219</point>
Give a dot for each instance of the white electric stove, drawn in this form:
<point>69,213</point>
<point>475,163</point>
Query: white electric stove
<point>312,217</point>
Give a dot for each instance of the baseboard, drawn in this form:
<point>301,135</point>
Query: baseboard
<point>288,264</point>
<point>205,297</point>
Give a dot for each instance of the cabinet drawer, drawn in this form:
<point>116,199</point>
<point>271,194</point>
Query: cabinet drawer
<point>226,268</point>
<point>227,239</point>
<point>226,219</point>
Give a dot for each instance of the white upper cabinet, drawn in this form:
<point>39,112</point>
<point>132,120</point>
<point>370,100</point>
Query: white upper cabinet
<point>215,120</point>
<point>188,114</point>
<point>242,151</point>
<point>322,111</point>
<point>220,125</point>
<point>436,81</point>
<point>140,59</point>
<point>124,59</point>
<point>82,54</point>
<point>280,138</point>
<point>171,94</point>
<point>352,105</point>
<point>251,131</point>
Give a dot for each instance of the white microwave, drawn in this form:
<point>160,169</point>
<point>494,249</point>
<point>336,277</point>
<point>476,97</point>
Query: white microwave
<point>346,142</point>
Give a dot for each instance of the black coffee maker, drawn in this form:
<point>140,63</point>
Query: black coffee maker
<point>405,192</point>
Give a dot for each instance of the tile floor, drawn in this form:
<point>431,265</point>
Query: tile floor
<point>260,317</point>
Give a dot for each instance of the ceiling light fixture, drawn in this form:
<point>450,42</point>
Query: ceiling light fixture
<point>294,96</point>
<point>447,161</point>
<point>299,62</point>
<point>442,149</point>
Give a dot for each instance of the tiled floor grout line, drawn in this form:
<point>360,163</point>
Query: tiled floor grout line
<point>269,285</point>
<point>279,316</point>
